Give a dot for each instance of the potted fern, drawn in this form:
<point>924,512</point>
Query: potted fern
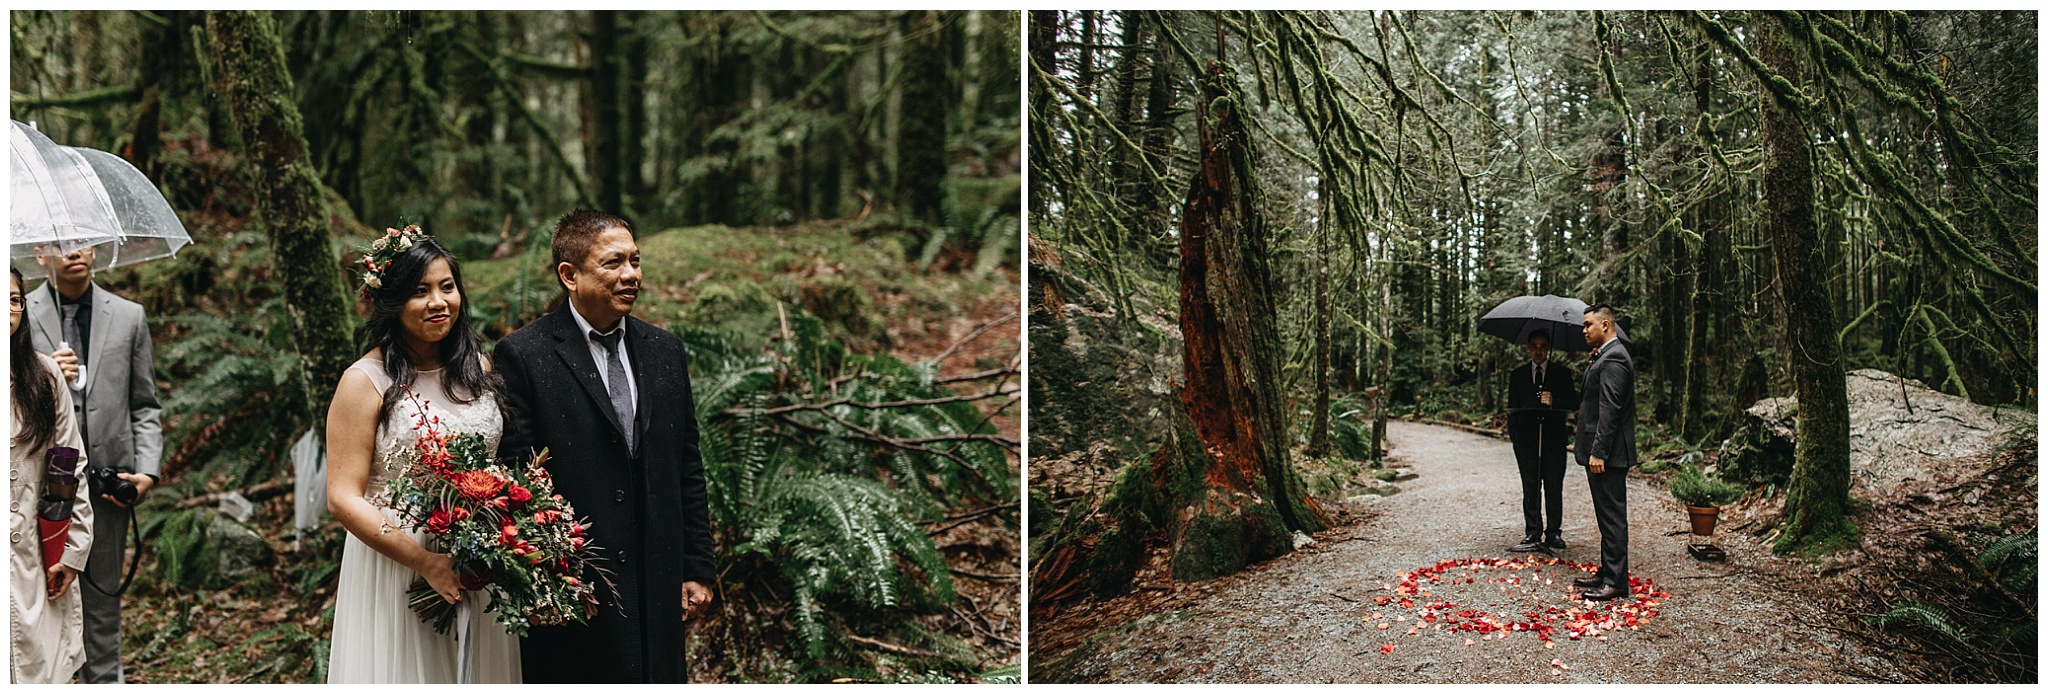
<point>1703,497</point>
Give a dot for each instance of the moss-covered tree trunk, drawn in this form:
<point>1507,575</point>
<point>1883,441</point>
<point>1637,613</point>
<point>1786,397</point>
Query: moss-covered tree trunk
<point>1707,219</point>
<point>1044,26</point>
<point>1817,503</point>
<point>1232,396</point>
<point>1319,430</point>
<point>921,152</point>
<point>249,76</point>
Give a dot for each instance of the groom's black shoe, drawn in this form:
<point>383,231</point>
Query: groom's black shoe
<point>1606,593</point>
<point>1531,543</point>
<point>1555,541</point>
<point>1588,582</point>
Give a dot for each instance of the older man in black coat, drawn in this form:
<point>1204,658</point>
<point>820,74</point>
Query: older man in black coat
<point>608,396</point>
<point>1607,448</point>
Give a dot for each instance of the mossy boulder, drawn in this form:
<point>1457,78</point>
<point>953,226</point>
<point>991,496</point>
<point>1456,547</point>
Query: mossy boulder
<point>1222,542</point>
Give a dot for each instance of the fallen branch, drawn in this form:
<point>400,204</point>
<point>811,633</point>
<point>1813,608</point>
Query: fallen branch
<point>259,492</point>
<point>979,375</point>
<point>965,518</point>
<point>1465,427</point>
<point>821,406</point>
<point>994,578</point>
<point>990,438</point>
<point>91,97</point>
<point>977,332</point>
<point>893,648</point>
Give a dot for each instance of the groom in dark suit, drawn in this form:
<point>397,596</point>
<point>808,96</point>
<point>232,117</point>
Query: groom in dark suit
<point>1607,447</point>
<point>608,396</point>
<point>1539,395</point>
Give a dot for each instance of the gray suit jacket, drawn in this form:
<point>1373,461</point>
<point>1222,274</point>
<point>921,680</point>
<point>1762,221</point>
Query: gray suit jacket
<point>1607,409</point>
<point>121,412</point>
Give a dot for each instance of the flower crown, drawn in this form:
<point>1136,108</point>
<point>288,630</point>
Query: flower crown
<point>377,258</point>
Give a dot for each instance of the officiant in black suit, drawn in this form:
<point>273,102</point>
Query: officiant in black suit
<point>608,396</point>
<point>1539,395</point>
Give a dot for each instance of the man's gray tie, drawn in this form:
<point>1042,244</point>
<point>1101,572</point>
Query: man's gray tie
<point>615,381</point>
<point>71,337</point>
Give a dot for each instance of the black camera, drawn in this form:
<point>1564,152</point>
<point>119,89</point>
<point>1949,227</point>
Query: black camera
<point>105,481</point>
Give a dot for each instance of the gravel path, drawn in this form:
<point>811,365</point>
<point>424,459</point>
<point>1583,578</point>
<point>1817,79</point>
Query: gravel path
<point>1306,617</point>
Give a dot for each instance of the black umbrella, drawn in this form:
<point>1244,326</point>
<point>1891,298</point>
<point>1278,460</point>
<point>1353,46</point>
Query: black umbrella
<point>1563,317</point>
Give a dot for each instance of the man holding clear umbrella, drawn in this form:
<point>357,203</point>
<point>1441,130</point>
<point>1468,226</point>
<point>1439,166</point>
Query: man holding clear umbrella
<point>102,342</point>
<point>75,210</point>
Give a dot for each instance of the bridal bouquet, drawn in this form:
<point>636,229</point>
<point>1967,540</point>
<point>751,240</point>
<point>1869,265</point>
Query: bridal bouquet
<point>506,528</point>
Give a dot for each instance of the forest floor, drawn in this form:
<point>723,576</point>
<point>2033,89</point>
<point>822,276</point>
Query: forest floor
<point>1315,615</point>
<point>271,626</point>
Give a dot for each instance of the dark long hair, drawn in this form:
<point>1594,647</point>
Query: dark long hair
<point>463,375</point>
<point>35,388</point>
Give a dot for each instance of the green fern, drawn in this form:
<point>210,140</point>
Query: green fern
<point>808,505</point>
<point>2012,559</point>
<point>1913,614</point>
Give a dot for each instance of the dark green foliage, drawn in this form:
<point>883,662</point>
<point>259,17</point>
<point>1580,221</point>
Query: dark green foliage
<point>809,506</point>
<point>242,383</point>
<point>1911,615</point>
<point>1350,431</point>
<point>2013,560</point>
<point>1695,488</point>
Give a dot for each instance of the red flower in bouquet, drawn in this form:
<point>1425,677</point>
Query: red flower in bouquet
<point>478,485</point>
<point>519,495</point>
<point>440,521</point>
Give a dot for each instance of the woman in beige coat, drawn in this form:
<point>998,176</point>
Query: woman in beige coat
<point>48,620</point>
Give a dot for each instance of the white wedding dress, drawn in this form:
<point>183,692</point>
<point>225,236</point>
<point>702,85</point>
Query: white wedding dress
<point>377,637</point>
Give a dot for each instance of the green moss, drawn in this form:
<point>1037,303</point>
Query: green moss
<point>1219,544</point>
<point>1824,539</point>
<point>844,307</point>
<point>1213,545</point>
<point>1042,514</point>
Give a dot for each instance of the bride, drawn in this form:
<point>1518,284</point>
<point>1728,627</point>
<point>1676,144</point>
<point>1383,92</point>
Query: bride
<point>419,342</point>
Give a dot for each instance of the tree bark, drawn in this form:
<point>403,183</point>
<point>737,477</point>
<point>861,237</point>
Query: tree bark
<point>601,118</point>
<point>250,77</point>
<point>1319,432</point>
<point>921,173</point>
<point>1230,341</point>
<point>1817,501</point>
<point>633,103</point>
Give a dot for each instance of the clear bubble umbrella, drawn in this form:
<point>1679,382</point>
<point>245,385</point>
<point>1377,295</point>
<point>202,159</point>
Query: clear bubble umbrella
<point>57,203</point>
<point>149,229</point>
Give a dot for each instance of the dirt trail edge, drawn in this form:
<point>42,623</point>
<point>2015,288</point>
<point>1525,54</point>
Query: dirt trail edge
<point>1308,616</point>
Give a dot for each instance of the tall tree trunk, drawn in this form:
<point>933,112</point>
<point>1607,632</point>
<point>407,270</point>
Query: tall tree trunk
<point>1707,219</point>
<point>1230,342</point>
<point>1817,501</point>
<point>250,77</point>
<point>1319,433</point>
<point>1044,27</point>
<point>633,105</point>
<point>921,172</point>
<point>601,117</point>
